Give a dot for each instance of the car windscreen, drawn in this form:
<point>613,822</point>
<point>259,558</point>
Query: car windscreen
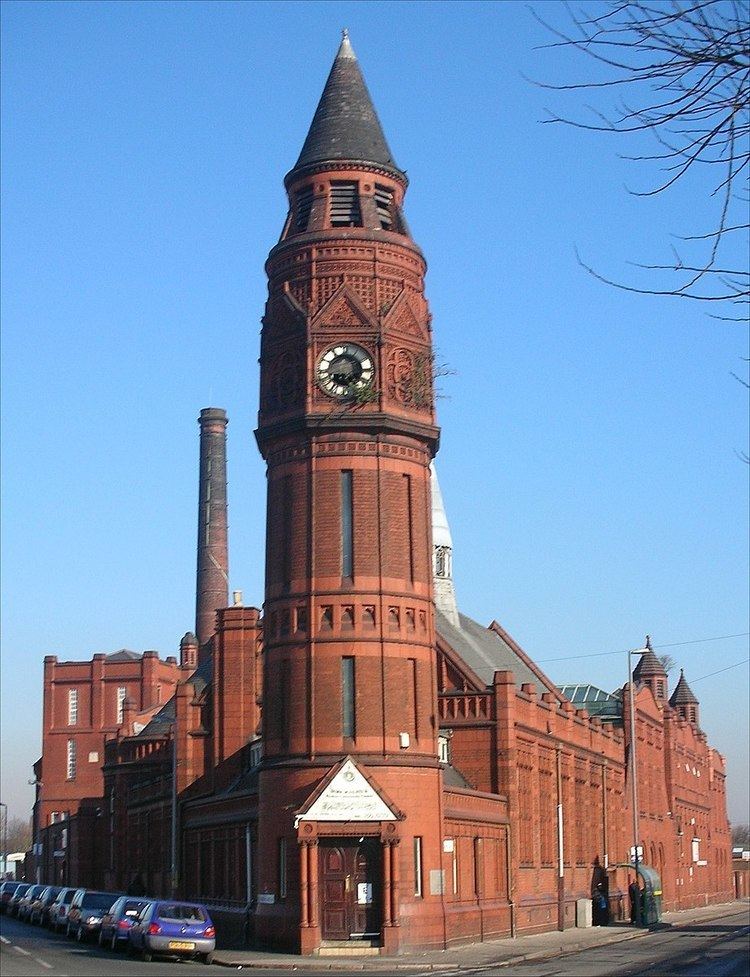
<point>97,900</point>
<point>10,887</point>
<point>182,912</point>
<point>68,897</point>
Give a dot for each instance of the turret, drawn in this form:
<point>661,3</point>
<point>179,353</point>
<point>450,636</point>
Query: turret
<point>650,671</point>
<point>683,700</point>
<point>189,651</point>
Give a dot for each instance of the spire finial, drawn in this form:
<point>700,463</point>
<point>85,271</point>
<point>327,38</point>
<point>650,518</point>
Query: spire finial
<point>345,49</point>
<point>648,642</point>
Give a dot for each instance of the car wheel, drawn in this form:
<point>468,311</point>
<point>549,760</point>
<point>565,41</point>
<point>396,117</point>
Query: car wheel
<point>79,934</point>
<point>146,957</point>
<point>208,958</point>
<point>113,944</point>
<point>68,932</point>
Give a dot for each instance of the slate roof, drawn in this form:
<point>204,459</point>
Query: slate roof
<point>161,722</point>
<point>682,694</point>
<point>483,650</point>
<point>345,125</point>
<point>124,655</point>
<point>452,777</point>
<point>648,665</point>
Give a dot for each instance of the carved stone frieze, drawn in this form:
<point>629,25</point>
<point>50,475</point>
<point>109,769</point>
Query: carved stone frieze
<point>284,380</point>
<point>408,377</point>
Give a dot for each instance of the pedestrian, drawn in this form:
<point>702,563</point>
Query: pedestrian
<point>136,887</point>
<point>599,894</point>
<point>600,906</point>
<point>633,892</point>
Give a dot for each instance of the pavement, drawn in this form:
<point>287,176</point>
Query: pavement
<point>495,953</point>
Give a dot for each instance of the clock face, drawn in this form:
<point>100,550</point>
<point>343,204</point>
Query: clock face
<point>344,370</point>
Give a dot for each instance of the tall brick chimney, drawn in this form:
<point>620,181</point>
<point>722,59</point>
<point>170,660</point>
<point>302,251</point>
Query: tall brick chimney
<point>212,585</point>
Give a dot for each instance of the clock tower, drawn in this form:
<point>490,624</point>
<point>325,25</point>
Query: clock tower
<point>350,785</point>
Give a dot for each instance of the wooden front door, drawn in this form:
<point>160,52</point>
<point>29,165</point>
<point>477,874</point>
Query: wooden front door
<point>351,888</point>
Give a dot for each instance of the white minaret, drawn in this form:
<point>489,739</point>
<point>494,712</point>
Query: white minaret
<point>442,556</point>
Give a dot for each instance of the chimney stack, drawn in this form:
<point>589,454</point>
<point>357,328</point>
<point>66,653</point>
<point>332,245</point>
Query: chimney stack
<point>212,583</point>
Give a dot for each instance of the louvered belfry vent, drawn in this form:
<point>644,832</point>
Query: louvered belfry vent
<point>384,206</point>
<point>303,206</point>
<point>345,210</point>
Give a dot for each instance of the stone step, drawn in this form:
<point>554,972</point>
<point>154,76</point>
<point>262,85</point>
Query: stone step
<point>348,948</point>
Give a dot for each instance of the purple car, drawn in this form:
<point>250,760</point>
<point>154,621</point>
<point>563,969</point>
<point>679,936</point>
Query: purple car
<point>117,922</point>
<point>174,929</point>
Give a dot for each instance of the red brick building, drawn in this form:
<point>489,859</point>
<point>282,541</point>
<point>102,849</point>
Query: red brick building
<point>84,703</point>
<point>362,763</point>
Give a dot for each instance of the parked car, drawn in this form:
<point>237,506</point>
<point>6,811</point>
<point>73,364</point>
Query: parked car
<point>17,896</point>
<point>173,929</point>
<point>24,903</point>
<point>6,891</point>
<point>86,912</point>
<point>117,922</point>
<point>57,917</point>
<point>40,906</point>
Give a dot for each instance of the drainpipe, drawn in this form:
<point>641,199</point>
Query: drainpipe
<point>604,815</point>
<point>248,878</point>
<point>173,860</point>
<point>508,872</point>
<point>560,848</point>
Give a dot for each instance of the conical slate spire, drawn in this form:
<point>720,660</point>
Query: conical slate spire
<point>682,695</point>
<point>648,665</point>
<point>345,125</point>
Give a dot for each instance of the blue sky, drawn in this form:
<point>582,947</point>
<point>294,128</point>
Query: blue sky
<point>589,436</point>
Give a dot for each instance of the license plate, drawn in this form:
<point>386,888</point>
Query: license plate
<point>177,945</point>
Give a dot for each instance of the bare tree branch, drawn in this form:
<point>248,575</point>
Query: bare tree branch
<point>687,68</point>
